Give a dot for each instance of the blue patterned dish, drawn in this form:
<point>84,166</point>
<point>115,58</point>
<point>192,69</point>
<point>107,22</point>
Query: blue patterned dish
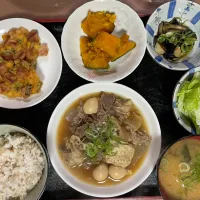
<point>188,11</point>
<point>180,118</point>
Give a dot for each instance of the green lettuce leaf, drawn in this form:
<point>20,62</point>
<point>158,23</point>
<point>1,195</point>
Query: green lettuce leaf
<point>189,100</point>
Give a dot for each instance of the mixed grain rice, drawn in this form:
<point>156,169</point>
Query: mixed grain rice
<point>21,165</point>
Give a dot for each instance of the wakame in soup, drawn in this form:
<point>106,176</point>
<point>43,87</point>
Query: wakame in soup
<point>179,171</point>
<point>102,138</point>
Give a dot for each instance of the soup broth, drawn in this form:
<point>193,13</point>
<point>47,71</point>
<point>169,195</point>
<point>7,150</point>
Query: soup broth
<point>86,173</point>
<point>179,171</point>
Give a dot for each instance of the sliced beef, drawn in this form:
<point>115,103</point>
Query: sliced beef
<point>140,138</point>
<point>107,101</point>
<point>76,116</point>
<point>79,121</point>
<point>70,115</point>
<point>123,133</point>
<point>133,122</point>
<point>80,130</point>
<point>73,154</point>
<point>123,108</point>
<point>139,152</point>
<point>141,141</point>
<point>76,143</point>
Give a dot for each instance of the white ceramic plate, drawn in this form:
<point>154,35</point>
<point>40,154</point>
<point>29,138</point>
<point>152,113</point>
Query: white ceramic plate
<point>189,11</point>
<point>146,167</point>
<point>127,19</point>
<point>49,68</point>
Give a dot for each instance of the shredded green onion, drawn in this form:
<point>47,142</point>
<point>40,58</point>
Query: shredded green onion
<point>102,139</point>
<point>164,162</point>
<point>184,167</point>
<point>193,175</point>
<point>185,39</point>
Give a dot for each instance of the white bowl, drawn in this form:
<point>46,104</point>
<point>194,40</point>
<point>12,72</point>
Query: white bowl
<point>149,162</point>
<point>38,190</point>
<point>189,12</point>
<point>49,68</point>
<point>127,20</point>
<point>182,120</point>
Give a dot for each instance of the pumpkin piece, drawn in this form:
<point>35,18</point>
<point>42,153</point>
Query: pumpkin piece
<point>107,43</point>
<point>125,46</point>
<point>93,57</point>
<point>98,21</point>
<point>84,44</point>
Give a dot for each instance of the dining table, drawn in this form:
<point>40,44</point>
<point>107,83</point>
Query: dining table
<point>154,82</point>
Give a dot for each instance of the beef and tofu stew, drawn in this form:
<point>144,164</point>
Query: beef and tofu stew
<point>103,138</point>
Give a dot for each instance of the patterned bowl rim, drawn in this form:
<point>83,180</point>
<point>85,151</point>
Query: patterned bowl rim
<point>177,114</point>
<point>166,6</point>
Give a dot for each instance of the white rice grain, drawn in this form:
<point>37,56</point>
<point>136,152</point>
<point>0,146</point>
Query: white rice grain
<point>21,165</point>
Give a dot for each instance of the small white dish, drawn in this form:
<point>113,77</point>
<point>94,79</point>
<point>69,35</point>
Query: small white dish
<point>149,162</point>
<point>127,20</point>
<point>182,120</point>
<point>49,68</point>
<point>189,11</point>
<point>38,190</point>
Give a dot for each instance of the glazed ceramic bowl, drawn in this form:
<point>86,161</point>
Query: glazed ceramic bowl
<point>127,21</point>
<point>38,190</point>
<point>149,162</point>
<point>162,191</point>
<point>182,120</point>
<point>189,12</point>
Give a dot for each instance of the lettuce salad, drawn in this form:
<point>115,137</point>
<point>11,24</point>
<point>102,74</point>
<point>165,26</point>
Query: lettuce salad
<point>189,100</point>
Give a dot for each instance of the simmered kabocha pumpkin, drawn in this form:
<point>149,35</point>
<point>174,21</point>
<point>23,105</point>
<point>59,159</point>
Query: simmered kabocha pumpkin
<point>125,46</point>
<point>98,21</point>
<point>115,47</point>
<point>101,47</point>
<point>107,43</point>
<point>93,57</point>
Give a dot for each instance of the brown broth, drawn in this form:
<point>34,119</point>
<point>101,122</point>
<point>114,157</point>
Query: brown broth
<point>84,174</point>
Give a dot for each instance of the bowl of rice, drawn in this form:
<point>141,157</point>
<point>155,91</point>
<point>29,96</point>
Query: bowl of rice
<point>23,164</point>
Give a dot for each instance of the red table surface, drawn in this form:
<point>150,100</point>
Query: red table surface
<point>132,198</point>
<point>59,10</point>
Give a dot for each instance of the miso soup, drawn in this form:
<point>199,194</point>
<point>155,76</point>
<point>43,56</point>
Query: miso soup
<point>179,170</point>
